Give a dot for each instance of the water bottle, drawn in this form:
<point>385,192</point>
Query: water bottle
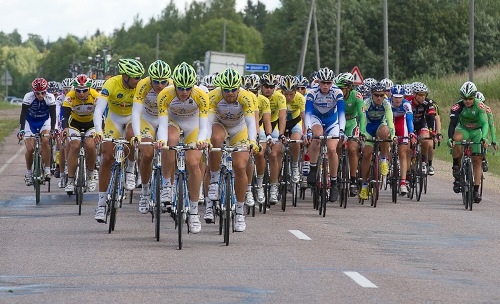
<point>306,165</point>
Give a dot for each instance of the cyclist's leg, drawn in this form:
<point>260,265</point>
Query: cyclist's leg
<point>313,150</point>
<point>383,133</point>
<point>296,134</point>
<point>260,165</point>
<point>275,161</point>
<point>219,133</point>
<point>45,146</point>
<point>477,159</point>
<point>459,135</point>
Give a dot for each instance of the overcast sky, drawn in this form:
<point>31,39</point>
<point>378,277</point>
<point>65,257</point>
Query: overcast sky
<point>52,19</point>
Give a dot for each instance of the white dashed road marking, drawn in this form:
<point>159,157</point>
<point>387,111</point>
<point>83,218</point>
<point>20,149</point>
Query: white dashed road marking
<point>299,234</point>
<point>361,280</point>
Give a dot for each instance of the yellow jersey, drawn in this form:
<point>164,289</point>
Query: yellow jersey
<point>81,110</point>
<point>277,102</point>
<point>231,114</point>
<point>145,95</point>
<point>296,106</point>
<point>262,105</point>
<point>118,97</point>
<point>170,105</point>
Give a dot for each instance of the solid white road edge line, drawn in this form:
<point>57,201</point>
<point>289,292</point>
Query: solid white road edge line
<point>10,160</point>
<point>299,234</point>
<point>360,280</point>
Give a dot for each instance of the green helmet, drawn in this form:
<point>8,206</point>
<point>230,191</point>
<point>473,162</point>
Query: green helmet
<point>468,90</point>
<point>159,70</point>
<point>229,79</point>
<point>130,67</point>
<point>184,75</point>
<point>344,79</point>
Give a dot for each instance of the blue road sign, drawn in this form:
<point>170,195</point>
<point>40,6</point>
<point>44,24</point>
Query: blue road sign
<point>257,67</point>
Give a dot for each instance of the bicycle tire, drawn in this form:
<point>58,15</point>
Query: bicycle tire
<point>227,207</point>
<point>267,188</point>
<point>114,196</point>
<point>375,180</point>
<point>80,182</point>
<point>36,175</point>
<point>284,180</point>
<point>295,193</point>
<point>419,182</point>
<point>464,184</point>
<point>254,193</point>
<point>470,180</point>
<point>344,180</point>
<point>324,186</point>
<point>395,177</point>
<point>180,207</point>
<point>157,201</point>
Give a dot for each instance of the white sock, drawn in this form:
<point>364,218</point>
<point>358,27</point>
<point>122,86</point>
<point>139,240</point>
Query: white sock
<point>193,208</point>
<point>239,207</point>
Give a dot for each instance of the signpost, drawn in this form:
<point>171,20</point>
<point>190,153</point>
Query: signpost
<point>257,67</point>
<point>6,81</point>
<point>358,78</point>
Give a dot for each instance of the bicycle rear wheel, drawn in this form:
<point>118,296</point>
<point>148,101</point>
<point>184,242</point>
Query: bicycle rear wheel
<point>394,178</point>
<point>80,183</point>
<point>37,176</point>
<point>157,201</point>
<point>419,182</point>
<point>324,186</point>
<point>375,180</point>
<point>343,178</point>
<point>113,203</point>
<point>470,180</point>
<point>284,180</point>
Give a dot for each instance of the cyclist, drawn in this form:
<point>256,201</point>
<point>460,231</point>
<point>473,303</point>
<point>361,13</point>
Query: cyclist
<point>232,114</point>
<point>364,91</point>
<point>379,125</point>
<point>277,102</point>
<point>491,121</point>
<point>296,105</point>
<point>263,107</point>
<point>78,113</point>
<point>388,84</point>
<point>355,123</point>
<point>145,124</point>
<point>184,106</point>
<point>38,114</point>
<point>302,84</point>
<point>403,124</point>
<point>117,93</point>
<point>324,115</point>
<point>424,114</point>
<point>67,86</point>
<point>468,121</point>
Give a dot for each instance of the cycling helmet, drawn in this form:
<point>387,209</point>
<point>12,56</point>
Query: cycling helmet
<point>378,87</point>
<point>344,79</point>
<point>302,81</point>
<point>387,83</point>
<point>268,79</point>
<point>229,79</point>
<point>130,67</point>
<point>53,87</point>
<point>252,82</point>
<point>369,82</point>
<point>67,83</point>
<point>208,81</point>
<point>98,83</point>
<point>184,75</point>
<point>408,89</point>
<point>419,87</point>
<point>325,74</point>
<point>289,83</point>
<point>398,91</point>
<point>82,81</point>
<point>39,85</point>
<point>159,70</point>
<point>480,96</point>
<point>468,90</point>
<point>363,90</point>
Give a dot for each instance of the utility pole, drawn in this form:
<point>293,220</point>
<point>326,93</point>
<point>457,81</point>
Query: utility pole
<point>224,37</point>
<point>386,41</point>
<point>157,45</point>
<point>316,40</point>
<point>471,40</point>
<point>300,69</point>
<point>337,46</point>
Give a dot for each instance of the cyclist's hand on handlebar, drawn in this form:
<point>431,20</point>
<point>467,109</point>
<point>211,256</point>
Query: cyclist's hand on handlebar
<point>98,137</point>
<point>495,146</point>
<point>160,144</point>
<point>201,144</point>
<point>450,143</point>
<point>413,138</point>
<point>136,140</point>
<point>342,136</point>
<point>484,143</point>
<point>255,147</point>
<point>20,135</point>
<point>282,138</point>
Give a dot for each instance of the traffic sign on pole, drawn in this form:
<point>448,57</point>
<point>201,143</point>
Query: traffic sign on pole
<point>6,78</point>
<point>257,67</point>
<point>358,78</point>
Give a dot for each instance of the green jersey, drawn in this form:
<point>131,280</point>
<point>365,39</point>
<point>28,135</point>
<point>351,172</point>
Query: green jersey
<point>475,118</point>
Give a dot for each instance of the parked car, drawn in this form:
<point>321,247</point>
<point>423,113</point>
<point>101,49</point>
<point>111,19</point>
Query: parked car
<point>16,101</point>
<point>9,98</point>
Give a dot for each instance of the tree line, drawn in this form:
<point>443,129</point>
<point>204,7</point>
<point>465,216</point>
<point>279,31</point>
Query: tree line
<point>426,37</point>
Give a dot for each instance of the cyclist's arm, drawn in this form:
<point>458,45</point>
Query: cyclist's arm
<point>483,121</point>
<point>66,114</point>
<point>308,111</point>
<point>22,118</point>
<point>266,118</point>
<point>163,128</point>
<point>53,117</point>
<point>389,117</point>
<point>360,108</point>
<point>100,106</point>
<point>136,117</point>
<point>409,117</point>
<point>341,108</point>
<point>456,109</point>
<point>491,124</point>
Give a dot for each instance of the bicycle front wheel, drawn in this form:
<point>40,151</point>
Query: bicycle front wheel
<point>157,202</point>
<point>80,183</point>
<point>343,178</point>
<point>180,207</point>
<point>375,182</point>
<point>324,186</point>
<point>37,173</point>
<point>227,207</point>
<point>284,181</point>
<point>113,203</point>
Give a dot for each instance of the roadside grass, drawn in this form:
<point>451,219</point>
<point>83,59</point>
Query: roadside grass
<point>445,91</point>
<point>7,125</point>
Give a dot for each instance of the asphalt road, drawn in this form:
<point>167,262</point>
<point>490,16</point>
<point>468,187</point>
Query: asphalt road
<point>432,251</point>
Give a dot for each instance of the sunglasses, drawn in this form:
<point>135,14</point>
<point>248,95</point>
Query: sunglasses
<point>81,90</point>
<point>301,88</point>
<point>421,94</point>
<point>227,90</point>
<point>268,86</point>
<point>184,89</point>
<point>160,81</point>
<point>326,82</point>
<point>378,95</point>
<point>468,98</point>
<point>41,93</point>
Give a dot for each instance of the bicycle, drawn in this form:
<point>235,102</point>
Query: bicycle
<point>38,173</point>
<point>225,207</point>
<point>417,175</point>
<point>116,189</point>
<point>180,199</point>
<point>343,177</point>
<point>467,173</point>
<point>322,175</point>
<point>286,182</point>
<point>375,177</point>
<point>81,172</point>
